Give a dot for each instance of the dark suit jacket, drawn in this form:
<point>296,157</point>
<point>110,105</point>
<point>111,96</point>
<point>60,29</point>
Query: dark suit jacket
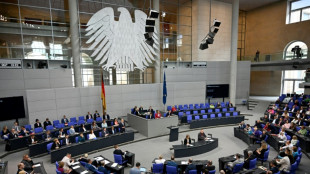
<point>36,125</point>
<point>30,141</point>
<point>118,152</point>
<point>28,165</point>
<point>274,169</point>
<point>247,161</point>
<point>201,136</point>
<point>12,135</point>
<point>106,117</point>
<point>209,168</point>
<point>103,170</point>
<point>89,116</point>
<point>91,167</point>
<point>64,120</point>
<point>121,125</point>
<point>104,133</point>
<point>185,141</point>
<point>84,160</point>
<point>96,115</point>
<point>54,146</point>
<point>190,167</point>
<point>22,133</point>
<point>46,123</point>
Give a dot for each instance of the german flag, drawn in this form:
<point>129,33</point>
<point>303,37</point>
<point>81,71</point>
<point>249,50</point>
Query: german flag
<point>104,106</point>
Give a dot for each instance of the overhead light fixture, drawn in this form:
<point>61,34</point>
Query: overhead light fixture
<point>163,14</point>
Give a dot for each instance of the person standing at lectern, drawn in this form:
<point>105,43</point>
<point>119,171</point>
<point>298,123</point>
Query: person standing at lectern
<point>202,135</point>
<point>187,140</point>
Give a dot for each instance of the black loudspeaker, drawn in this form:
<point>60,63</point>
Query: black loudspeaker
<point>148,35</point>
<point>150,41</point>
<point>210,40</point>
<point>149,29</point>
<point>203,46</point>
<point>150,22</point>
<point>154,14</point>
<point>216,23</point>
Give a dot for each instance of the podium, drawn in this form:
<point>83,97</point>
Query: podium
<point>130,157</point>
<point>174,133</point>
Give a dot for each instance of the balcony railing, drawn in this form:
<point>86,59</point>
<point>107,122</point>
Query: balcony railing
<point>275,57</point>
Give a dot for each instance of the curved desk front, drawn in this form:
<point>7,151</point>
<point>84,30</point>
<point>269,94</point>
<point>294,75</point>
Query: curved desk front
<point>199,147</point>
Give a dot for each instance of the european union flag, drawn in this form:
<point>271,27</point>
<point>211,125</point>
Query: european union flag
<point>164,89</point>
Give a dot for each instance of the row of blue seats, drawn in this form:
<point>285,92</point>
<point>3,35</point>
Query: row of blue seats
<point>219,115</point>
<point>198,106</point>
<point>209,111</point>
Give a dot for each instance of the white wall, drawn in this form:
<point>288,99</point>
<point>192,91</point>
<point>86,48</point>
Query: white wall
<point>14,82</point>
<point>220,49</point>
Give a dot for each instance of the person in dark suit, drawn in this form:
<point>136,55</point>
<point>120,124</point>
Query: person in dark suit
<point>172,162</point>
<point>56,144</point>
<point>23,131</point>
<point>47,122</point>
<point>190,166</point>
<point>28,163</point>
<point>105,116</point>
<point>209,166</point>
<point>152,116</point>
<point>13,134</point>
<point>66,141</point>
<point>246,164</point>
<point>105,132</point>
<point>230,105</point>
<point>32,139</point>
<point>150,109</point>
<point>89,116</point>
<point>122,126</point>
<point>112,130</point>
<point>141,109</point>
<point>273,167</point>
<point>117,151</point>
<point>84,158</point>
<point>48,136</point>
<point>96,114</point>
<point>169,113</point>
<point>61,133</point>
<point>37,124</point>
<point>102,169</point>
<point>286,108</point>
<point>90,167</point>
<point>201,135</point>
<point>187,140</point>
<point>65,120</point>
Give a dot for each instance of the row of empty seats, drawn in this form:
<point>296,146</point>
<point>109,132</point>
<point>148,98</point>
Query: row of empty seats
<point>198,106</point>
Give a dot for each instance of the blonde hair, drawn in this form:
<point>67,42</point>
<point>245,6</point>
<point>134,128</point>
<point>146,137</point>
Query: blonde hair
<point>160,157</point>
<point>294,137</point>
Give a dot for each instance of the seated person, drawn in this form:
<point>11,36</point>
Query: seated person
<point>289,154</point>
<point>218,105</point>
<point>141,109</point>
<point>248,129</point>
<point>303,130</point>
<point>209,166</point>
<point>122,126</point>
<point>106,116</point>
<point>56,144</point>
<point>150,109</point>
<point>190,166</point>
<point>13,134</point>
<point>96,114</point>
<point>89,116</point>
<point>273,167</point>
<point>68,161</point>
<point>61,133</point>
<point>230,165</point>
<point>82,128</point>
<point>48,136</point>
<point>61,168</point>
<point>286,124</point>
<point>201,135</point>
<point>46,123</point>
<point>135,170</point>
<point>263,135</point>
<point>212,106</point>
<point>251,156</point>
<point>32,139</point>
<point>71,130</point>
<point>160,160</point>
<point>242,125</point>
<point>256,134</point>
<point>282,137</point>
<point>66,141</point>
<point>173,109</point>
<point>92,135</point>
<point>284,163</point>
<point>169,113</point>
<point>259,153</point>
<point>288,145</point>
<point>81,138</point>
<point>187,140</point>
<point>295,152</point>
<point>137,112</point>
<point>157,115</point>
<point>258,124</point>
<point>230,105</point>
<point>94,126</point>
<point>104,124</point>
<point>152,116</point>
<point>294,140</point>
<point>172,162</point>
<point>65,120</point>
<point>84,158</point>
<point>90,166</point>
<point>102,169</point>
<point>37,124</point>
<point>105,133</point>
<point>265,119</point>
<point>28,163</point>
<point>23,131</point>
<point>293,127</point>
<point>112,130</point>
<point>115,122</point>
<point>267,127</point>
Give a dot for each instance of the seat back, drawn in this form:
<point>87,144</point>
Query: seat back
<point>266,154</point>
<point>192,172</point>
<point>60,125</point>
<point>49,127</point>
<point>227,114</point>
<point>169,108</point>
<point>76,139</point>
<point>197,117</point>
<point>231,109</point>
<point>58,172</point>
<point>180,114</point>
<point>188,112</point>
<point>165,114</point>
<point>217,110</point>
<point>98,119</point>
<point>48,147</point>
<point>57,164</point>
<point>288,137</point>
<point>171,169</point>
<point>83,163</point>
<point>204,116</point>
<point>158,168</point>
<point>118,159</point>
<point>81,122</point>
<point>38,130</point>
<point>252,164</point>
<point>28,127</point>
<point>219,115</point>
<point>224,110</point>
<point>235,113</point>
<point>212,171</point>
<point>90,120</point>
<point>293,168</point>
<point>210,110</point>
<point>207,105</point>
<point>73,119</point>
<point>195,112</point>
<point>71,124</point>
<point>189,118</point>
<point>212,116</point>
<point>55,122</point>
<point>81,117</point>
<point>203,111</point>
<point>237,168</point>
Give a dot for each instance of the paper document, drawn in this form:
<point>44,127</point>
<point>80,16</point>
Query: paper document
<point>85,171</point>
<point>106,162</point>
<point>99,158</point>
<point>184,162</point>
<point>190,145</point>
<point>75,167</point>
<point>75,163</point>
<point>211,140</point>
<point>114,165</point>
<point>37,165</point>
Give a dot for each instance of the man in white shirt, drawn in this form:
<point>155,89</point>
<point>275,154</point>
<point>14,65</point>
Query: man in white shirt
<point>160,160</point>
<point>67,160</point>
<point>288,144</point>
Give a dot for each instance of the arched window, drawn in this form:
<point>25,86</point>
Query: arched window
<point>295,49</point>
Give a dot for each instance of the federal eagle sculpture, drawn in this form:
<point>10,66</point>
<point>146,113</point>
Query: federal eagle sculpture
<point>120,44</point>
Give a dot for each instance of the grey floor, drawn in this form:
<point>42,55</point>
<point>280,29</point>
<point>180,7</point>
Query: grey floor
<point>147,149</point>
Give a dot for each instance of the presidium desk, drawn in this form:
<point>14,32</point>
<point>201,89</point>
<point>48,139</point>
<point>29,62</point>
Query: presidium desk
<point>152,127</point>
